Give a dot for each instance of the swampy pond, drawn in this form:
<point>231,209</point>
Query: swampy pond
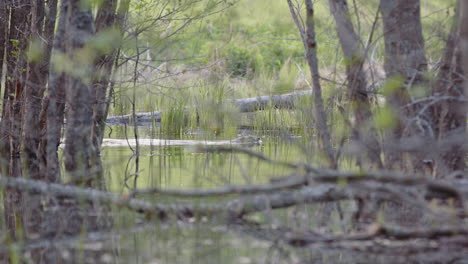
<point>203,241</point>
<point>167,164</point>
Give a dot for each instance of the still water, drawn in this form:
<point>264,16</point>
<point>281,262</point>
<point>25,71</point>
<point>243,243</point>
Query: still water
<point>205,240</point>
<point>167,166</point>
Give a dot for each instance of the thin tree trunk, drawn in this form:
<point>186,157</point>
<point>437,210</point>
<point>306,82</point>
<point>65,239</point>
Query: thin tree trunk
<point>34,90</point>
<point>4,19</point>
<point>462,110</point>
<point>356,81</point>
<point>105,20</point>
<point>319,111</point>
<point>49,32</point>
<point>55,102</point>
<point>307,32</point>
<point>404,59</point>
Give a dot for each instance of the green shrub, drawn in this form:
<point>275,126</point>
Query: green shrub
<point>240,61</point>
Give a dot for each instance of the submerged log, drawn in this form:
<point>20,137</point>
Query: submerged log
<point>245,105</point>
<point>245,141</point>
<point>146,117</point>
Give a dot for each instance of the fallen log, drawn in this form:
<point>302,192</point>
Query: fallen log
<point>258,103</point>
<point>241,141</point>
<point>245,105</point>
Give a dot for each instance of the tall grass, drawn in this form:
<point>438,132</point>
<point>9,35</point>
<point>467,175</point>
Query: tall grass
<point>252,48</point>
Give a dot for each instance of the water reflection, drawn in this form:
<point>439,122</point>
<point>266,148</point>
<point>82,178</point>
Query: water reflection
<point>137,238</point>
<point>163,166</point>
<point>186,167</point>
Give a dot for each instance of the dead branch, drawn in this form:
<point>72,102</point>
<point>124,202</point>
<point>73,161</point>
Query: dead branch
<point>229,208</point>
<point>290,183</point>
<point>377,241</point>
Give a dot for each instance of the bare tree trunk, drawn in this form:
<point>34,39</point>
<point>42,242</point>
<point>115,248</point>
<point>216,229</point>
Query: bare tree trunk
<point>449,116</point>
<point>308,39</point>
<point>105,20</point>
<point>49,32</point>
<point>34,90</point>
<point>78,150</point>
<point>319,111</point>
<point>55,102</point>
<point>461,112</point>
<point>356,79</point>
<point>4,19</point>
<point>404,59</point>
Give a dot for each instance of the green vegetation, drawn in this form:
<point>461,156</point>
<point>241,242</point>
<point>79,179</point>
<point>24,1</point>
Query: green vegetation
<point>251,48</point>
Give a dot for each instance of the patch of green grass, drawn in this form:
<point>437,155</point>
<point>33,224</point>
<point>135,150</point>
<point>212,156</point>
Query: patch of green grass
<point>252,48</point>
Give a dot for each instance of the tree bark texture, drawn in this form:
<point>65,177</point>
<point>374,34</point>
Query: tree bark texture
<point>363,131</point>
<point>105,20</point>
<point>319,111</point>
<point>449,116</point>
<point>38,71</point>
<point>78,150</point>
<point>56,93</point>
<point>404,60</point>
<point>462,110</point>
<point>4,20</point>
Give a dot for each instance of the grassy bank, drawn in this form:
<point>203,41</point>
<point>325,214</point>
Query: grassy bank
<point>250,48</point>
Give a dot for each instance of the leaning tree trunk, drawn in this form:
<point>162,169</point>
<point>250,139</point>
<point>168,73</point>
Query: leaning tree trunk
<point>310,45</point>
<point>319,111</point>
<point>356,81</point>
<point>405,62</point>
<point>106,20</point>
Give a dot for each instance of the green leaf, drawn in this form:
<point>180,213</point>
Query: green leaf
<point>386,118</point>
<point>392,85</point>
<point>35,51</point>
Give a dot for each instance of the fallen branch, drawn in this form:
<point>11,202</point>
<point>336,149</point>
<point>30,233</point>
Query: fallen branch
<point>378,240</point>
<point>291,183</point>
<point>229,208</point>
<point>436,189</point>
<point>444,189</point>
<point>282,193</point>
